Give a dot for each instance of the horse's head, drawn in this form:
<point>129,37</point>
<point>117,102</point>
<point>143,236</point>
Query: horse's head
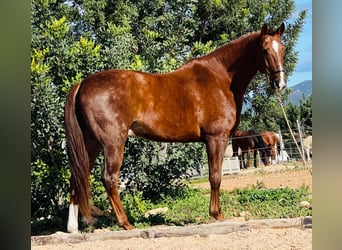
<point>271,56</point>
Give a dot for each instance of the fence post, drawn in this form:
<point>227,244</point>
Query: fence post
<point>281,146</point>
<point>300,137</point>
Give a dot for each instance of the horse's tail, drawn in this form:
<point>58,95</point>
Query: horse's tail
<point>78,156</point>
<point>279,145</point>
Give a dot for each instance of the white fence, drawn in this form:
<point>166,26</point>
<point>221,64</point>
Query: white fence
<point>286,151</point>
<point>230,165</point>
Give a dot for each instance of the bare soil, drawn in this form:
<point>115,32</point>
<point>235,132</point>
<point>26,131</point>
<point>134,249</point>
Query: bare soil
<point>275,176</point>
<point>255,238</point>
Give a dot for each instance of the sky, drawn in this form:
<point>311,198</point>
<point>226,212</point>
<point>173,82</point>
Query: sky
<point>303,70</point>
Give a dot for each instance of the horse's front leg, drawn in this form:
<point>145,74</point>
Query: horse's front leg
<point>248,158</point>
<point>256,161</point>
<point>215,150</point>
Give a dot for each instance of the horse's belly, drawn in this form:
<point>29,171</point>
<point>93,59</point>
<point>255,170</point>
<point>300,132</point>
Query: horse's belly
<point>164,132</point>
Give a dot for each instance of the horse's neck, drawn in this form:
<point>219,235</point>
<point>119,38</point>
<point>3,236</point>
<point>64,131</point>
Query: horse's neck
<point>239,58</point>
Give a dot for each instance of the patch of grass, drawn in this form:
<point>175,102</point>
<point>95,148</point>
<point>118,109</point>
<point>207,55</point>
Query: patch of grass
<point>261,203</point>
<point>192,206</point>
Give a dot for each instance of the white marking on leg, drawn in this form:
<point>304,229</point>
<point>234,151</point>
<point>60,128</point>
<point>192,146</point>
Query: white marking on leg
<point>73,219</point>
<point>282,82</point>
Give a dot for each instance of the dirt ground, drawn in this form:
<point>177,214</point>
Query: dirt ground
<point>256,238</point>
<point>275,176</point>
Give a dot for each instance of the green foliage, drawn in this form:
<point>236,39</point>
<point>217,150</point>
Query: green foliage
<point>305,110</point>
<point>136,207</point>
<point>190,206</point>
<point>157,169</point>
<point>73,39</point>
<point>273,203</point>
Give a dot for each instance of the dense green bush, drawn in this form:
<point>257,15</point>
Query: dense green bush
<point>157,169</point>
<point>153,169</point>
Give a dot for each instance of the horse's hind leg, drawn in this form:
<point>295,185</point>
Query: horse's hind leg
<point>113,158</point>
<point>215,150</point>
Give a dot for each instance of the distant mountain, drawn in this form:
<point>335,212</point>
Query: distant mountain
<point>300,89</point>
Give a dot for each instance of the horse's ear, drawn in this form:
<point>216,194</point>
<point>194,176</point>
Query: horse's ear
<point>264,29</point>
<point>281,29</point>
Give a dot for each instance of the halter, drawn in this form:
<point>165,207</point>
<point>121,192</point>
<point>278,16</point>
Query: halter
<point>268,74</point>
<point>277,71</point>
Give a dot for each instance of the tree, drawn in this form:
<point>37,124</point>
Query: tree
<point>306,111</point>
<point>58,59</point>
<point>72,39</point>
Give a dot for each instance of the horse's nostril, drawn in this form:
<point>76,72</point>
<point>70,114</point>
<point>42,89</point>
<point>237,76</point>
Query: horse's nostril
<point>277,83</point>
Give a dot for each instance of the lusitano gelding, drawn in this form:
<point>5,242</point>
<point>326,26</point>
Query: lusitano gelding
<point>249,142</point>
<point>272,141</point>
<point>200,101</point>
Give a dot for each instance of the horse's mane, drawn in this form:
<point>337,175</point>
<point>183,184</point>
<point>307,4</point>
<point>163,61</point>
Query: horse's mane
<point>246,37</point>
<point>220,49</point>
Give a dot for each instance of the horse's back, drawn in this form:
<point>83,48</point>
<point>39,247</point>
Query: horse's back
<point>270,137</point>
<point>153,106</point>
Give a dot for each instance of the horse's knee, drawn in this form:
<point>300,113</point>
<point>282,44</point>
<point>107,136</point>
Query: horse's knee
<point>215,180</point>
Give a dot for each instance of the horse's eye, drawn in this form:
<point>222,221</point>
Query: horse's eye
<point>264,51</point>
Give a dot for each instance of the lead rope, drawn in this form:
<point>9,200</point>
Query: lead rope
<point>288,124</point>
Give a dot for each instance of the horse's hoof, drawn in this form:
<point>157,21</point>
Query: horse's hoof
<point>128,226</point>
<point>218,216</point>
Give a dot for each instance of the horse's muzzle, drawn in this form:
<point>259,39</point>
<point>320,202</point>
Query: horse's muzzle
<point>277,79</point>
<point>278,84</point>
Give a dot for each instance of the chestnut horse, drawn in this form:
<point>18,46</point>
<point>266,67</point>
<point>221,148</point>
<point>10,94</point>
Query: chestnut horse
<point>249,141</point>
<point>201,101</point>
<point>272,141</point>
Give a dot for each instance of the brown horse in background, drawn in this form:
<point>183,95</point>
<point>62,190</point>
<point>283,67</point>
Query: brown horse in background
<point>272,141</point>
<point>200,101</point>
<point>249,142</point>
